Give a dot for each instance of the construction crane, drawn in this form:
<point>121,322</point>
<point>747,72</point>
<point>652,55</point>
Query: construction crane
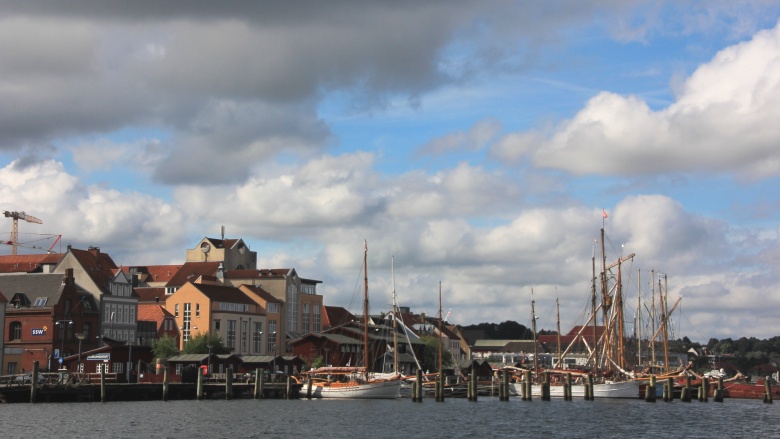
<point>15,230</point>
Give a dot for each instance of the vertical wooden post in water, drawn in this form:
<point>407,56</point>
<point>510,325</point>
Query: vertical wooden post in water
<point>103,383</point>
<point>261,381</point>
<point>229,383</point>
<point>590,393</point>
<point>417,395</point>
<point>767,390</point>
<point>685,395</point>
<point>717,396</point>
<point>473,382</point>
<point>650,390</point>
<point>199,391</point>
<point>34,382</point>
<point>506,385</point>
<point>288,389</point>
<point>258,383</point>
<point>441,386</point>
<point>546,387</point>
<point>705,385</point>
<point>528,385</point>
<point>309,388</point>
<point>567,388</point>
<point>670,384</point>
<point>164,386</point>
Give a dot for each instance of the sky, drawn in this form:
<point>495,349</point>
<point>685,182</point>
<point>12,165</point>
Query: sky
<point>476,149</point>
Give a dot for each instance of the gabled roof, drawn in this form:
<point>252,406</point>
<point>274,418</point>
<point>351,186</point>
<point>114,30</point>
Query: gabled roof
<point>27,288</point>
<point>191,271</point>
<point>28,263</point>
<point>150,294</point>
<point>242,274</point>
<point>97,265</point>
<point>153,273</point>
<point>261,293</point>
<point>223,293</point>
<point>153,313</point>
<point>337,315</point>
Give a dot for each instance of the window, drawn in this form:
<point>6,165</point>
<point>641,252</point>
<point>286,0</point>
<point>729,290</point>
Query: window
<point>316,318</point>
<point>244,335</point>
<point>41,301</point>
<point>197,310</point>
<point>179,368</point>
<point>187,314</point>
<point>292,308</point>
<point>231,334</point>
<point>306,320</point>
<point>118,367</point>
<point>15,331</point>
<point>272,337</point>
<point>217,326</point>
<point>273,308</point>
<point>12,367</point>
<point>101,366</point>
<point>257,338</point>
<point>176,311</point>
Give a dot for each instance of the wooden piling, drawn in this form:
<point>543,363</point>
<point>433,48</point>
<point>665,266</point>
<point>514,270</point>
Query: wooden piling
<point>685,394</point>
<point>34,382</point>
<point>717,395</point>
<point>103,384</point>
<point>418,390</point>
<point>473,383</point>
<point>650,390</point>
<point>705,385</point>
<point>528,386</point>
<point>199,391</point>
<point>288,393</point>
<point>546,387</point>
<point>590,393</point>
<point>229,383</point>
<point>567,394</point>
<point>670,384</point>
<point>259,384</point>
<point>767,390</point>
<point>309,387</point>
<point>441,386</point>
<point>164,386</point>
<point>505,384</point>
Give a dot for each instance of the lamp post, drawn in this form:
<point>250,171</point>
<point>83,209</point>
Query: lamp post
<point>81,336</point>
<point>273,360</point>
<point>62,324</point>
<point>208,368</point>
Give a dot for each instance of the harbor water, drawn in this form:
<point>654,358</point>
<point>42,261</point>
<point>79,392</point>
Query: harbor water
<point>401,418</point>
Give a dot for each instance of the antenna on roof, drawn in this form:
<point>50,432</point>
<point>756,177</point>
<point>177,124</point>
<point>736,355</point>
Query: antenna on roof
<point>223,233</point>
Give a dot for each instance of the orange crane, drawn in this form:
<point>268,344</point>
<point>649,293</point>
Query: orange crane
<point>15,230</point>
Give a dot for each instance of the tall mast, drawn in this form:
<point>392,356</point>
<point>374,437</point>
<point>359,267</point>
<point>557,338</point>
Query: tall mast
<point>605,300</point>
<point>441,317</point>
<point>395,317</point>
<point>533,325</point>
<point>365,306</point>
<point>558,318</point>
<point>619,308</point>
<point>593,314</point>
<point>664,319</point>
<point>639,316</point>
<point>652,305</point>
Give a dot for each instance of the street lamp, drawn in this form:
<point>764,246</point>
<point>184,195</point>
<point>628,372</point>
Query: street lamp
<point>81,336</point>
<point>273,360</point>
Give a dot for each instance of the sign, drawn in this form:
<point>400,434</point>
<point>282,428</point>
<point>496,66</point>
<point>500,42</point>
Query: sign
<point>38,331</point>
<point>56,353</point>
<point>100,357</point>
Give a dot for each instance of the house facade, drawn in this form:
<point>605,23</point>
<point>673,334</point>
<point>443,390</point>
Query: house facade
<point>48,317</point>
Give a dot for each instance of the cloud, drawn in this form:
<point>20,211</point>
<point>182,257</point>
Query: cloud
<point>723,121</point>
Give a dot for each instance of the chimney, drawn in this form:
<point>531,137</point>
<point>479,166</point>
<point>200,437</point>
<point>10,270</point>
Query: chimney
<point>95,251</point>
<point>157,299</point>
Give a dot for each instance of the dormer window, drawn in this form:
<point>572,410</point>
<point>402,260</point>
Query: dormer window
<point>41,301</point>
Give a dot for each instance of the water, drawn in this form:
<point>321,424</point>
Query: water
<point>454,418</point>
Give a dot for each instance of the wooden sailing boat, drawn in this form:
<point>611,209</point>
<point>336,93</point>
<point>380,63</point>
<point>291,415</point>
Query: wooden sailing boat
<point>353,382</point>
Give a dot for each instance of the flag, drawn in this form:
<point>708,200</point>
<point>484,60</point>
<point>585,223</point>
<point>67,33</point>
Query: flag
<point>604,212</point>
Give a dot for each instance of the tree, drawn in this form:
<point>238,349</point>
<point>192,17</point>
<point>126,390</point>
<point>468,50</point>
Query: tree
<point>164,347</point>
<point>199,344</point>
<point>430,360</point>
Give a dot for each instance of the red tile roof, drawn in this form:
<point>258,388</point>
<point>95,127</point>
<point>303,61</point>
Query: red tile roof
<point>150,294</point>
<point>224,293</point>
<point>99,266</point>
<point>263,294</point>
<point>154,273</point>
<point>27,263</point>
<point>191,271</point>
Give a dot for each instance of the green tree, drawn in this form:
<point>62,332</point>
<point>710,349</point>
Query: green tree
<point>430,360</point>
<point>164,347</point>
<point>199,344</point>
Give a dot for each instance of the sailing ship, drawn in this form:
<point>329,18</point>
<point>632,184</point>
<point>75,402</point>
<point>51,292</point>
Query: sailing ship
<point>353,382</point>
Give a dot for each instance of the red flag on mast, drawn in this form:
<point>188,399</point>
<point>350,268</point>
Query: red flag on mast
<point>604,212</point>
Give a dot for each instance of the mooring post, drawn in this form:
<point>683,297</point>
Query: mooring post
<point>717,395</point>
<point>528,385</point>
<point>685,394</point>
<point>474,389</point>
<point>441,386</point>
<point>705,384</point>
<point>229,383</point>
<point>103,383</point>
<point>309,385</point>
<point>258,383</point>
<point>567,396</point>
<point>418,390</point>
<point>590,390</point>
<point>164,386</point>
<point>767,390</point>
<point>505,385</point>
<point>34,383</point>
<point>199,391</point>
<point>650,390</point>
